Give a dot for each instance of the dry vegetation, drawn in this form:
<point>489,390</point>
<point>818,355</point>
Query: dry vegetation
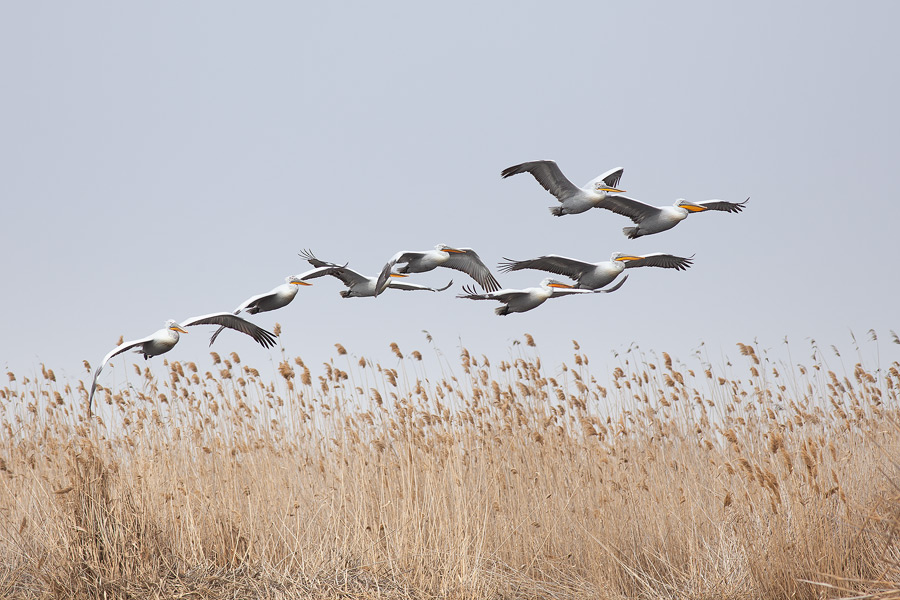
<point>510,479</point>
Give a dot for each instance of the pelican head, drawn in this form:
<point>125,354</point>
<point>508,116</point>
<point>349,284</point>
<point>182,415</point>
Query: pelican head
<point>174,326</point>
<point>689,206</point>
<point>293,279</point>
<point>601,186</point>
<point>549,282</point>
<point>446,248</point>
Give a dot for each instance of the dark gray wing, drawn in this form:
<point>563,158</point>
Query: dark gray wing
<point>610,179</point>
<point>348,277</point>
<point>232,321</point>
<point>412,287</point>
<point>629,207</point>
<point>658,259</point>
<point>609,290</point>
<point>470,293</point>
<point>732,207</point>
<point>404,256</point>
<point>551,263</point>
<point>548,174</point>
<point>468,261</point>
<point>309,257</point>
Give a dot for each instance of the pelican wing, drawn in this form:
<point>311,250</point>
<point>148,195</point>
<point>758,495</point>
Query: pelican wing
<point>309,257</point>
<point>252,301</point>
<point>322,271</point>
<point>732,207</point>
<point>471,264</point>
<point>610,178</point>
<point>348,277</point>
<point>412,287</point>
<point>629,207</point>
<point>658,259</point>
<point>232,321</point>
<point>548,174</point>
<point>551,263</point>
<point>124,347</point>
<point>403,256</point>
<point>470,293</point>
<point>610,290</point>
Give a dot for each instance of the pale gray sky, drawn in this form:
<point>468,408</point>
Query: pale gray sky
<point>170,159</point>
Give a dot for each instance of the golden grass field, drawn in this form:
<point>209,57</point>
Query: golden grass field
<point>515,477</point>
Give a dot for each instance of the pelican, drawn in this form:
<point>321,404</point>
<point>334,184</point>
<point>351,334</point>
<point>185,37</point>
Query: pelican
<point>573,199</point>
<point>165,339</point>
<point>461,259</point>
<point>276,298</point>
<point>592,276</point>
<point>653,219</point>
<point>523,300</point>
<point>360,286</point>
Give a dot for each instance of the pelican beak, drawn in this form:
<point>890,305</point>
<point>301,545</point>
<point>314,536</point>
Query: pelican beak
<point>177,328</point>
<point>560,285</point>
<point>693,207</point>
<point>454,250</point>
<point>301,283</point>
<point>398,275</point>
<point>628,258</point>
<point>612,189</point>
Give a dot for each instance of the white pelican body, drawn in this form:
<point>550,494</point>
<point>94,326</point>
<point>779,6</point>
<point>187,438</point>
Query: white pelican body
<point>653,219</point>
<point>360,286</point>
<point>524,300</point>
<point>461,259</point>
<point>573,199</point>
<point>592,276</point>
<point>275,298</point>
<point>165,339</point>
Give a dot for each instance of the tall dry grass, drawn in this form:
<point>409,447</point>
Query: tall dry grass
<point>482,479</point>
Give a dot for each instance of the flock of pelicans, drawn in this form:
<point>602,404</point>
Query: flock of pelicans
<point>589,278</point>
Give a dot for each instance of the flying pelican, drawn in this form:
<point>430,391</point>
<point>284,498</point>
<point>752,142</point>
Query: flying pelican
<point>592,276</point>
<point>277,297</point>
<point>523,300</point>
<point>461,259</point>
<point>573,199</point>
<point>165,339</point>
<point>653,219</point>
<point>360,286</point>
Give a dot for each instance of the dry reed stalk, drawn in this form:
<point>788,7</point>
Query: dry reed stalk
<point>503,481</point>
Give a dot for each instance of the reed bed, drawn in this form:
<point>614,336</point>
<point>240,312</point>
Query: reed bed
<point>504,478</point>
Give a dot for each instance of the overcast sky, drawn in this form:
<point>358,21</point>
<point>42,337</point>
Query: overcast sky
<point>169,159</point>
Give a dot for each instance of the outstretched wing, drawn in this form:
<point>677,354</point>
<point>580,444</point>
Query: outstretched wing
<point>610,179</point>
<point>412,287</point>
<point>548,174</point>
<point>319,272</point>
<point>232,321</point>
<point>609,290</point>
<point>468,261</point>
<point>309,257</point>
<point>551,263</point>
<point>404,256</point>
<point>348,277</point>
<point>658,259</point>
<point>124,347</point>
<point>252,301</point>
<point>629,207</point>
<point>470,293</point>
<point>732,207</point>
